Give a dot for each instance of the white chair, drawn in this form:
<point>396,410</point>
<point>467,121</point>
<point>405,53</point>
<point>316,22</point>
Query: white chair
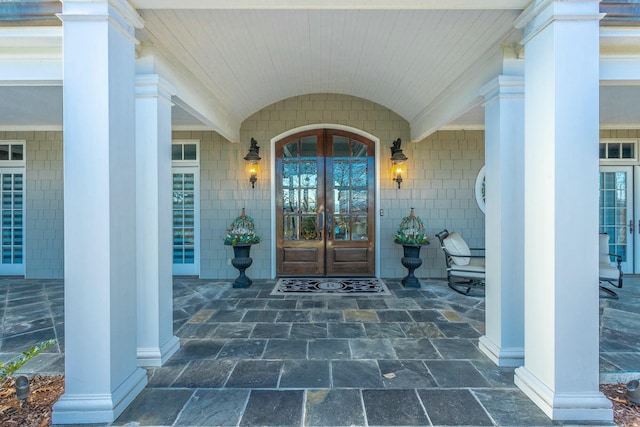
<point>465,271</point>
<point>609,274</point>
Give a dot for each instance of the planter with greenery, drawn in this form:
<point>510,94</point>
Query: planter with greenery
<point>241,235</point>
<point>412,237</point>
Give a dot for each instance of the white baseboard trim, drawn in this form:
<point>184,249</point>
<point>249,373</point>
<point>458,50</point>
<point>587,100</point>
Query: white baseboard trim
<point>99,408</point>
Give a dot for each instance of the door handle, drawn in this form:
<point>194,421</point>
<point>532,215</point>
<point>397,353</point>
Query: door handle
<point>320,224</point>
<point>329,225</point>
<point>631,226</point>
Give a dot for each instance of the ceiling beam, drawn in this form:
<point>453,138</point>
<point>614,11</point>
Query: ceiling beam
<point>190,95</point>
<point>457,99</point>
<point>333,4</point>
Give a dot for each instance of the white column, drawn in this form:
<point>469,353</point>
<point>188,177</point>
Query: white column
<point>503,341</point>
<point>156,342</point>
<point>561,372</point>
<point>101,372</point>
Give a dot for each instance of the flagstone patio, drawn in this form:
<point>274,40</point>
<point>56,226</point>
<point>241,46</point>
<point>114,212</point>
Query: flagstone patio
<point>250,358</point>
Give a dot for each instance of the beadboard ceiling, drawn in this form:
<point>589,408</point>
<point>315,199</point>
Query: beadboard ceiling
<point>402,59</point>
<point>408,55</point>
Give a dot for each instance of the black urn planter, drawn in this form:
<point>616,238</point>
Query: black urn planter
<point>411,261</point>
<point>241,260</point>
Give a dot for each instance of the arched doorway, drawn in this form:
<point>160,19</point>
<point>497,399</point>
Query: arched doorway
<point>325,204</point>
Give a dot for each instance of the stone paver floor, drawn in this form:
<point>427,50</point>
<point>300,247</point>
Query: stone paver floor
<point>251,359</point>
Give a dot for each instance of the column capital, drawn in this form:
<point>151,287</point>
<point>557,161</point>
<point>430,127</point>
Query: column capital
<point>153,86</point>
<point>541,13</point>
<point>119,12</point>
<point>503,86</point>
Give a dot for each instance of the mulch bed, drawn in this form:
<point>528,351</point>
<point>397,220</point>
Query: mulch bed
<point>36,410</point>
<point>46,390</point>
<point>625,412</point>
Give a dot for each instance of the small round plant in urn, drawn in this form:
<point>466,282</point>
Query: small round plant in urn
<point>412,237</point>
<point>241,235</point>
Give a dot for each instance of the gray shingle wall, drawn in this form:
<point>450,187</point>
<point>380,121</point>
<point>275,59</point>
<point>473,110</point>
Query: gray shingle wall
<point>440,181</point>
<point>439,184</point>
<point>44,226</point>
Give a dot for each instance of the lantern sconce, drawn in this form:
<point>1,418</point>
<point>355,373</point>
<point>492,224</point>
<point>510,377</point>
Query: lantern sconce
<point>398,159</point>
<point>252,158</point>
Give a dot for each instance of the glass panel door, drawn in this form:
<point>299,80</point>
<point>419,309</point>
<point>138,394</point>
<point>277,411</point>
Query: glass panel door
<point>300,205</point>
<point>324,205</point>
<point>186,221</point>
<point>616,211</point>
<point>12,262</point>
<point>350,220</point>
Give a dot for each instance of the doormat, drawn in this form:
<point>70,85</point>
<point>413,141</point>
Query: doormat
<point>330,286</point>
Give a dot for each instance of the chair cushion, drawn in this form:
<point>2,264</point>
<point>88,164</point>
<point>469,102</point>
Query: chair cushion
<point>608,272</point>
<point>455,245</point>
<point>604,249</point>
<point>474,270</point>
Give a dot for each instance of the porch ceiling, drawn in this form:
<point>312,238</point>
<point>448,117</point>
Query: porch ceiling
<point>401,57</point>
<point>408,55</point>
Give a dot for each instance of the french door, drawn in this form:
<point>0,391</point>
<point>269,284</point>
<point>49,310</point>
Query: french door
<point>12,261</point>
<point>325,204</point>
<point>616,212</point>
<point>186,210</point>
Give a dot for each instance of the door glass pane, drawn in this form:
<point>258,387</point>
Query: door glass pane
<point>359,149</point>
<point>613,210</point>
<point>340,147</point>
<point>359,229</point>
<point>359,174</point>
<point>290,150</point>
<point>290,175</point>
<point>341,174</point>
<point>308,147</point>
<point>290,228</point>
<point>309,228</point>
<point>190,152</point>
<point>341,228</point>
<point>359,202</point>
<point>308,200</point>
<point>309,174</point>
<point>176,152</point>
<point>290,201</point>
<point>341,201</point>
<point>17,152</point>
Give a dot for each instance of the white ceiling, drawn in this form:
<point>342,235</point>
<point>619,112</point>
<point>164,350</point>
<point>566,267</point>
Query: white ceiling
<point>402,59</point>
<point>247,54</point>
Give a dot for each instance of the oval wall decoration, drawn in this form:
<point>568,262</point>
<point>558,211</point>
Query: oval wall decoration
<point>480,189</point>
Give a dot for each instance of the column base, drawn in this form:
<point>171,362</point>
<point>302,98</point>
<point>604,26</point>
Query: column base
<point>587,406</point>
<point>157,356</point>
<point>99,408</point>
<point>512,357</point>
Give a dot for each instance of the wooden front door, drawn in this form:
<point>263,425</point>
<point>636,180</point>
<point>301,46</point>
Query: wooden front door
<point>325,204</point>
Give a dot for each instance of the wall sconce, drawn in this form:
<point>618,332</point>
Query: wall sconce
<point>398,159</point>
<point>252,159</point>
